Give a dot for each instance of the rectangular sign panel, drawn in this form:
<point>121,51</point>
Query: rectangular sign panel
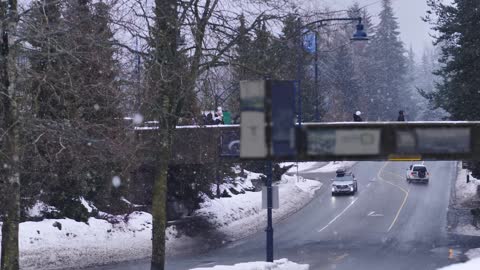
<point>275,198</point>
<point>283,118</point>
<point>321,142</point>
<point>406,142</point>
<point>343,142</point>
<point>252,132</point>
<point>357,142</point>
<point>443,140</point>
<point>434,141</point>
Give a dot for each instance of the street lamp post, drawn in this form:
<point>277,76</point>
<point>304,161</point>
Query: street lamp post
<point>317,94</point>
<point>359,35</point>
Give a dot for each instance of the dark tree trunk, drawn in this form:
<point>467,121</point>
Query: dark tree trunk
<point>10,147</point>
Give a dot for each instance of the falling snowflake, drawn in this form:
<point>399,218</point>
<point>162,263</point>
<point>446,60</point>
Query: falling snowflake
<point>116,181</point>
<point>137,119</point>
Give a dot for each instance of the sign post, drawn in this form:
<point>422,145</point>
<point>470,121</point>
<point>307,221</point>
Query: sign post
<point>269,230</point>
<point>253,116</point>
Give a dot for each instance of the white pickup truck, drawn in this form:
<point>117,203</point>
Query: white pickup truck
<point>418,173</point>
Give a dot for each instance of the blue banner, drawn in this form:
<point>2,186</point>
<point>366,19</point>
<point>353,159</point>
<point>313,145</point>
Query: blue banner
<point>309,42</point>
<point>283,118</point>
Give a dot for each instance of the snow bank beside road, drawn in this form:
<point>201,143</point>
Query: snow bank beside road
<point>465,192</point>
<point>65,243</point>
<point>334,166</point>
<point>317,167</point>
<point>282,264</point>
<point>300,166</point>
<point>466,198</point>
<point>473,253</point>
<point>470,265</point>
<point>242,215</point>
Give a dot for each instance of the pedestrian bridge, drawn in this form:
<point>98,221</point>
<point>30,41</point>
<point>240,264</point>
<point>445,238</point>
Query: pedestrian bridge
<point>201,144</point>
<point>335,141</point>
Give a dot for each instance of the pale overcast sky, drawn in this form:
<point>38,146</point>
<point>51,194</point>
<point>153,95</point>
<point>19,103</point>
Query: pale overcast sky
<point>413,30</point>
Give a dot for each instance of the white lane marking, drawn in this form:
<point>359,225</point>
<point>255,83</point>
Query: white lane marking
<point>404,199</point>
<point>339,215</point>
<point>373,214</point>
<point>399,209</point>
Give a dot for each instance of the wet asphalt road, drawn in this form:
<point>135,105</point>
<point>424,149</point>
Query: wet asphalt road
<point>388,224</point>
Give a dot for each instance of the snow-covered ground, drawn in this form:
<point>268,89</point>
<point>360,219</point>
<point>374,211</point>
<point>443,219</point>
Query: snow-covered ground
<point>473,253</point>
<point>333,166</point>
<point>241,215</point>
<point>465,192</point>
<point>317,167</point>
<point>300,166</point>
<point>65,243</point>
<point>470,265</point>
<point>466,197</point>
<point>282,264</point>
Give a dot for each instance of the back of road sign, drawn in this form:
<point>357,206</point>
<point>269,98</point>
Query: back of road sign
<point>252,131</point>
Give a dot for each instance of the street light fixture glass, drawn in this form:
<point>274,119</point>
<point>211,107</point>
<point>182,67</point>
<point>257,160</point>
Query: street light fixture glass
<point>360,34</point>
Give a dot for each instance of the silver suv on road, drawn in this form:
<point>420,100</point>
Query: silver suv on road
<point>344,184</point>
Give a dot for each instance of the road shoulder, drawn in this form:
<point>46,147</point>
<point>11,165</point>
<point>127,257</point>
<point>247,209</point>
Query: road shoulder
<point>462,200</point>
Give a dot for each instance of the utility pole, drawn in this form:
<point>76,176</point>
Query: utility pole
<point>317,94</point>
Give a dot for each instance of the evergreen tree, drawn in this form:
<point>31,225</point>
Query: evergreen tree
<point>289,46</point>
<point>458,25</point>
<point>295,63</point>
<point>262,53</point>
<point>241,70</point>
<point>76,124</point>
<point>457,91</point>
<point>388,67</point>
<point>346,83</point>
<point>242,52</point>
<point>425,81</point>
<point>412,98</point>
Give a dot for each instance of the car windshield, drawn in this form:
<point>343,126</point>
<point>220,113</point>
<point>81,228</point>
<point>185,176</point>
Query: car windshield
<point>344,178</point>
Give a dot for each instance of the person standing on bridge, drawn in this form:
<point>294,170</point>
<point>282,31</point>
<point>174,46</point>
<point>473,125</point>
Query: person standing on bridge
<point>401,116</point>
<point>357,117</point>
